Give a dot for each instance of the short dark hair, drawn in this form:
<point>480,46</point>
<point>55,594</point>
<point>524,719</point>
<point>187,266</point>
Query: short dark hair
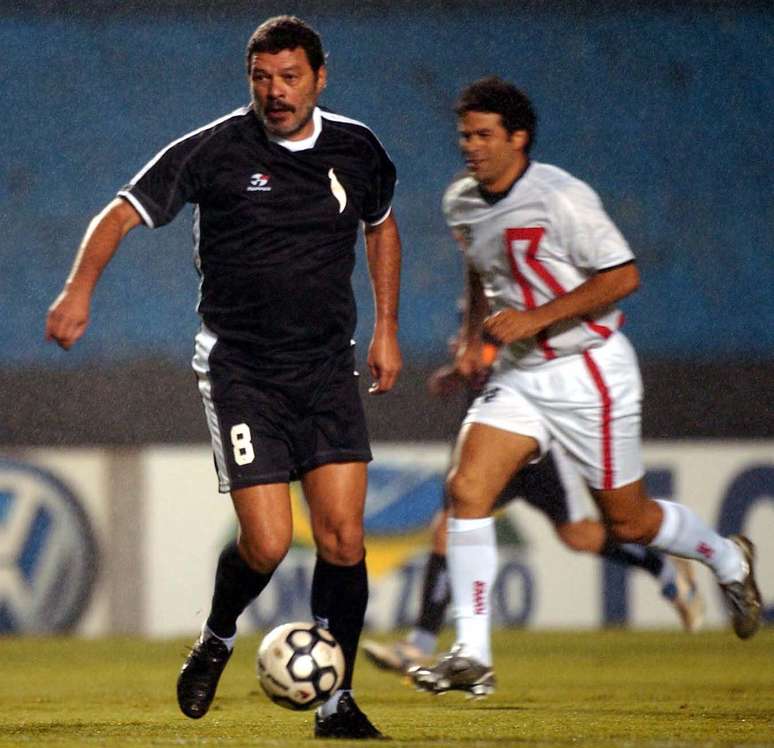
<point>286,32</point>
<point>493,94</point>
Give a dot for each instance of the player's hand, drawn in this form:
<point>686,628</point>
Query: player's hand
<point>68,317</point>
<point>384,360</point>
<point>445,381</point>
<point>509,325</point>
<point>468,362</point>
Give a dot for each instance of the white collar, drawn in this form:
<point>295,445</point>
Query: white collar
<point>306,143</point>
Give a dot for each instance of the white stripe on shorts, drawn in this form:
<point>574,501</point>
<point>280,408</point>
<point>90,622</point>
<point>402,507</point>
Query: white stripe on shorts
<point>205,342</point>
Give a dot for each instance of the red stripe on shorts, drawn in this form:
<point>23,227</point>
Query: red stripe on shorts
<point>607,407</point>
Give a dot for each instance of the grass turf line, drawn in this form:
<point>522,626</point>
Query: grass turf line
<point>599,688</point>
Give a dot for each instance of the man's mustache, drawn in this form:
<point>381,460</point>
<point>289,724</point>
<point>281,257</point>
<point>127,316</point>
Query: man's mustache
<point>279,106</point>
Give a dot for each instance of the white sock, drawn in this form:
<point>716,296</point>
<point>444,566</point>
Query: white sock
<point>471,558</point>
<point>682,533</point>
<point>208,633</point>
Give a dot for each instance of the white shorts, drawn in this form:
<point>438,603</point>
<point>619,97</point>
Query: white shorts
<point>589,403</point>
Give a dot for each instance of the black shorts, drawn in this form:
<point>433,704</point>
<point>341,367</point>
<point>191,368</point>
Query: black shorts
<point>540,485</point>
<point>273,423</point>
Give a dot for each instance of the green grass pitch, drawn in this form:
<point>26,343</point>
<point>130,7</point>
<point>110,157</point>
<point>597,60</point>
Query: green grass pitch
<point>617,689</point>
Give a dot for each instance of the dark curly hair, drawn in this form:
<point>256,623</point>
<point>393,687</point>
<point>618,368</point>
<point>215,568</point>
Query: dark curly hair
<point>493,94</point>
<point>286,32</point>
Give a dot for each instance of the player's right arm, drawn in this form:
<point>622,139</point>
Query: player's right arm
<point>473,355</point>
<point>469,360</point>
<point>68,316</point>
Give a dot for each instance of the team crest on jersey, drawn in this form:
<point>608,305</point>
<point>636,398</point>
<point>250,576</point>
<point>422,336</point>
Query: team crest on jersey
<point>259,183</point>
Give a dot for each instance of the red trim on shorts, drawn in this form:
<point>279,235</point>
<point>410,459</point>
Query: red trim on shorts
<point>607,408</point>
<point>533,236</point>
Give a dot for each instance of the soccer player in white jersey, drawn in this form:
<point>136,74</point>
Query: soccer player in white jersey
<point>545,267</point>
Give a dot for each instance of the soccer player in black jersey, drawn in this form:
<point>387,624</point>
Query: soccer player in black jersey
<point>280,188</point>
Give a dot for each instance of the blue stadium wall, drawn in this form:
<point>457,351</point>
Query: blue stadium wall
<point>665,109</point>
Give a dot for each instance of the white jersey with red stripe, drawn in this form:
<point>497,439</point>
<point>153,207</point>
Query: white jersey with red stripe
<point>544,238</point>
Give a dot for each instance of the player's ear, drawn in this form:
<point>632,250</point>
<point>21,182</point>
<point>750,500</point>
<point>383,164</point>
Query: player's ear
<point>519,139</point>
<point>322,78</point>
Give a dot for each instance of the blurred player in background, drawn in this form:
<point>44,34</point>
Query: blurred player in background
<point>553,487</point>
<point>545,267</point>
<point>280,188</point>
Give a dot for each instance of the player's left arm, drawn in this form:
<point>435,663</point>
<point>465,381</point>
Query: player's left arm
<point>383,251</point>
<point>602,289</point>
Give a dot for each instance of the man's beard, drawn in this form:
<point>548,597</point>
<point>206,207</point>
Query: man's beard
<point>284,132</point>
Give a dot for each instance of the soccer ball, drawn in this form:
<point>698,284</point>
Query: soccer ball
<point>300,665</point>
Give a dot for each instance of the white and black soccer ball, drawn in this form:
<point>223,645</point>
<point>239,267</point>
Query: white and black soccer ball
<point>300,665</point>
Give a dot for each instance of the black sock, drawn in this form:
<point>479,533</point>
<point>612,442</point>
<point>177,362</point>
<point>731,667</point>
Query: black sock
<point>339,600</point>
<point>236,586</point>
<point>633,555</point>
<point>436,594</point>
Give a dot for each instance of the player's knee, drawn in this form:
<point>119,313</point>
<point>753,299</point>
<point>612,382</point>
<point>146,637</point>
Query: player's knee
<point>629,530</point>
<point>575,537</point>
<point>265,556</point>
<point>341,545</point>
<point>464,493</point>
<point>639,524</point>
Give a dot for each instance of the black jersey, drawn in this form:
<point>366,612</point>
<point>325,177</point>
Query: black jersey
<point>275,226</point>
